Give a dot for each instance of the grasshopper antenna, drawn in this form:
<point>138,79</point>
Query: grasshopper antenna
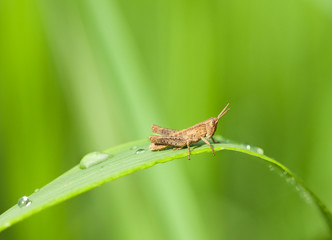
<point>223,112</point>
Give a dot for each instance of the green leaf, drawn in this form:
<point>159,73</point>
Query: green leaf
<point>98,168</point>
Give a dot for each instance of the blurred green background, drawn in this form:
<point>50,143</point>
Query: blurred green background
<point>80,76</point>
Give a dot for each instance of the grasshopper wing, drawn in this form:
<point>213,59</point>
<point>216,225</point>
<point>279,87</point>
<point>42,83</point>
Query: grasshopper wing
<point>163,131</point>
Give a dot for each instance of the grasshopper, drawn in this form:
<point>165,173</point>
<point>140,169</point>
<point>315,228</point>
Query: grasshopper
<point>180,139</point>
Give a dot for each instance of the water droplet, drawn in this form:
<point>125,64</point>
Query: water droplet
<point>248,147</point>
<point>93,158</point>
<point>283,174</point>
<point>271,168</point>
<point>306,196</point>
<point>24,202</point>
<point>36,190</point>
<point>140,151</point>
<point>260,151</point>
<point>290,180</point>
<point>133,148</point>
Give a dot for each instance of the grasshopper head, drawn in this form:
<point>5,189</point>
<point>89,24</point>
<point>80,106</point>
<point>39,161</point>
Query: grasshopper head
<point>213,122</point>
<point>211,126</point>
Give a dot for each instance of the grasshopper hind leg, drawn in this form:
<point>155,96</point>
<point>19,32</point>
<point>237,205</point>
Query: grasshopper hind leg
<point>156,147</point>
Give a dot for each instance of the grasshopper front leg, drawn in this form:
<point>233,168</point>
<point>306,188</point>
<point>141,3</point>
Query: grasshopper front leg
<point>207,142</point>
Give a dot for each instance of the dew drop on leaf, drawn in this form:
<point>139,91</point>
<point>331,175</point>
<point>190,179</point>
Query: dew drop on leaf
<point>24,202</point>
<point>93,158</point>
<point>260,151</point>
<point>140,151</point>
<point>271,168</point>
<point>290,180</point>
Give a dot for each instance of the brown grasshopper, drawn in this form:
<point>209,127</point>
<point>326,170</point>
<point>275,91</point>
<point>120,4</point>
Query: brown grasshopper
<point>179,139</point>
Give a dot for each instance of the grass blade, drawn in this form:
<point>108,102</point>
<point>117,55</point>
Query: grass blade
<point>126,159</point>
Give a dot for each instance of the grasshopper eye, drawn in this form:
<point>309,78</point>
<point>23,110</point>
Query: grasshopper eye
<point>214,123</point>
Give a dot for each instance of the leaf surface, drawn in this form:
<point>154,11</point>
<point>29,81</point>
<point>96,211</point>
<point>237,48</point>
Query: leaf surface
<point>126,159</point>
